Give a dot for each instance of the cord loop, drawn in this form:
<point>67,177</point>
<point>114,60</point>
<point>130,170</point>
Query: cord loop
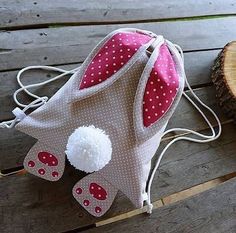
<point>39,101</point>
<point>178,52</point>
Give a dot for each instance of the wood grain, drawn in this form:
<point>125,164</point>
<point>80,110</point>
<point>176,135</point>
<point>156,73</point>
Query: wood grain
<point>72,44</point>
<point>28,13</point>
<point>188,164</point>
<point>30,204</point>
<point>210,211</point>
<point>170,199</point>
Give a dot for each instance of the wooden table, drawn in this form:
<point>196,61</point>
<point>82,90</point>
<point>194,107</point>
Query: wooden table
<point>61,33</point>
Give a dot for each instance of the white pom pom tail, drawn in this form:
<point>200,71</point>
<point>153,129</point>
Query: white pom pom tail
<point>89,149</point>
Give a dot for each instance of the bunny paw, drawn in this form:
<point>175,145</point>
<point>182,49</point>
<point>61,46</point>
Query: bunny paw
<point>95,194</point>
<point>45,162</point>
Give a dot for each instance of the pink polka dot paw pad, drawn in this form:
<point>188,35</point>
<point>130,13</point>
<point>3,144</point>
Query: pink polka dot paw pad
<point>45,162</point>
<point>161,87</point>
<point>95,194</point>
<point>114,54</point>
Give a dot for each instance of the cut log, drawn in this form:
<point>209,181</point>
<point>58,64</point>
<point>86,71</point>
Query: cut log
<point>224,79</point>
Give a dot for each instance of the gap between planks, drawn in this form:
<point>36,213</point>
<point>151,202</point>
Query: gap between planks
<point>165,201</point>
<point>96,23</point>
<point>43,49</point>
<point>39,13</point>
<point>78,64</point>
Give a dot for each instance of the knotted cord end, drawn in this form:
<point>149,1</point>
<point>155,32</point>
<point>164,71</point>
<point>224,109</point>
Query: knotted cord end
<point>19,114</point>
<point>149,206</point>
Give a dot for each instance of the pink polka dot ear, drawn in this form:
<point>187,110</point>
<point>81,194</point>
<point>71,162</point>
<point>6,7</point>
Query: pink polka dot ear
<point>161,88</point>
<point>113,55</point>
<point>95,194</point>
<point>45,162</point>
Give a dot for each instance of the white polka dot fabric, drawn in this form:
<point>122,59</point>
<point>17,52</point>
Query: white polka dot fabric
<point>161,87</point>
<point>115,104</point>
<point>112,56</point>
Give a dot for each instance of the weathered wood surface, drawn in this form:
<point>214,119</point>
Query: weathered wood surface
<point>72,44</point>
<point>188,164</point>
<point>29,204</point>
<point>210,211</point>
<point>27,13</point>
<point>184,166</point>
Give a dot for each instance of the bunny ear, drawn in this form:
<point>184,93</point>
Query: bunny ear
<point>161,88</point>
<point>95,194</point>
<point>114,54</point>
<point>45,162</point>
<point>158,93</point>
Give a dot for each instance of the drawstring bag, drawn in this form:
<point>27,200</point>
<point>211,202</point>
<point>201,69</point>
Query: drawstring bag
<point>109,118</point>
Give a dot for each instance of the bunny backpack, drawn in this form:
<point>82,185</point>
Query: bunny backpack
<point>109,118</point>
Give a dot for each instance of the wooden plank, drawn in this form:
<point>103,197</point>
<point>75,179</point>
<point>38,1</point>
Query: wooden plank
<point>197,65</point>
<point>213,211</point>
<point>41,12</point>
<point>191,191</point>
<point>14,145</point>
<point>38,203</point>
<point>29,204</point>
<point>196,189</point>
<point>186,115</point>
<point>71,44</point>
<point>169,199</point>
<point>8,85</point>
<point>188,164</point>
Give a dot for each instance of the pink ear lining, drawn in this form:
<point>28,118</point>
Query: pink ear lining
<point>115,53</point>
<point>161,88</point>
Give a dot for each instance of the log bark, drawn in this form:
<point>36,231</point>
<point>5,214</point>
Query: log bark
<point>224,79</point>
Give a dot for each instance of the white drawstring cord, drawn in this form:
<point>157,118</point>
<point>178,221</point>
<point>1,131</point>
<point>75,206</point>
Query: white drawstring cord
<point>25,88</point>
<point>38,99</point>
<point>10,124</point>
<point>207,138</point>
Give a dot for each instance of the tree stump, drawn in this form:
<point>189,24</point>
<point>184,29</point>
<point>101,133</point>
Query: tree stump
<point>224,79</point>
